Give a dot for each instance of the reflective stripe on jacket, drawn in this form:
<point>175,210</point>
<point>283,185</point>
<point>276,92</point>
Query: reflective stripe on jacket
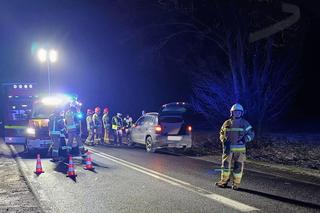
<point>89,122</point>
<point>56,125</point>
<point>115,123</point>
<point>105,121</point>
<point>70,120</point>
<point>237,132</point>
<point>96,121</point>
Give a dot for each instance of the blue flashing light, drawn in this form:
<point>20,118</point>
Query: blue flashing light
<point>79,115</point>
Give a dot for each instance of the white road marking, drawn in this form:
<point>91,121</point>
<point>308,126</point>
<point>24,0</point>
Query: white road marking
<point>179,183</point>
<point>46,205</point>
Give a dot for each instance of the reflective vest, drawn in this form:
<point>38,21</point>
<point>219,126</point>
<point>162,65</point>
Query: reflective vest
<point>116,123</point>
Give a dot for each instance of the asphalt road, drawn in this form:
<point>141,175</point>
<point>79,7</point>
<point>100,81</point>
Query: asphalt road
<point>132,180</point>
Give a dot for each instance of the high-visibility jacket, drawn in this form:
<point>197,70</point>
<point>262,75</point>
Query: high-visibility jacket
<point>116,123</point>
<point>105,121</point>
<point>235,133</point>
<point>96,121</point>
<point>56,125</point>
<point>89,122</point>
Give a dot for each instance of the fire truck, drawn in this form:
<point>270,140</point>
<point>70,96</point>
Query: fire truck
<point>17,100</point>
<point>37,131</point>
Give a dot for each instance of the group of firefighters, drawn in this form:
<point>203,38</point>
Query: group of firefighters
<point>95,125</point>
<point>235,133</point>
<point>67,123</point>
<point>62,123</point>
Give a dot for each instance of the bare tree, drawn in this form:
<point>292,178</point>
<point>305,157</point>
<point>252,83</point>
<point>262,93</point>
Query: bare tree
<point>225,65</point>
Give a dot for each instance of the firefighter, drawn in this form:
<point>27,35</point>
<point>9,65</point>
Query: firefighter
<point>73,124</point>
<point>97,125</point>
<point>90,127</point>
<point>106,125</point>
<point>127,121</point>
<point>117,129</point>
<point>235,133</point>
<point>56,132</point>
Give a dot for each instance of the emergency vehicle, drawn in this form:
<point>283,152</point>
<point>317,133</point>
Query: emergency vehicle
<point>38,132</point>
<point>17,99</point>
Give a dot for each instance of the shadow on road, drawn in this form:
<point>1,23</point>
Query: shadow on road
<point>282,199</point>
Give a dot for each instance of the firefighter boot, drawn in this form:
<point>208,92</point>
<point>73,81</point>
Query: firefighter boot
<point>222,184</point>
<point>235,186</point>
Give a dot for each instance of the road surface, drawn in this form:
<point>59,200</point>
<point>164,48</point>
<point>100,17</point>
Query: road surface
<point>132,180</point>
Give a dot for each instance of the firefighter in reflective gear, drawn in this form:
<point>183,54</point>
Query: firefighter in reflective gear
<point>117,129</point>
<point>106,125</point>
<point>73,124</point>
<point>56,132</point>
<point>90,126</point>
<point>127,121</point>
<point>234,134</point>
<point>97,126</point>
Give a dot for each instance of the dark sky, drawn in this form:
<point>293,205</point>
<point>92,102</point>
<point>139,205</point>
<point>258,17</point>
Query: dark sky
<point>97,61</point>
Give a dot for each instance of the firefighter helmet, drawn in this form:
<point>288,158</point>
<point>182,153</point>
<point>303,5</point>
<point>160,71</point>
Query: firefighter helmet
<point>89,112</point>
<point>119,114</point>
<point>236,107</point>
<point>97,110</point>
<point>106,110</point>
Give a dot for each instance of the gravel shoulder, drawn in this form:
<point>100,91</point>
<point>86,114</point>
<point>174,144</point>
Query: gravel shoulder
<point>15,195</point>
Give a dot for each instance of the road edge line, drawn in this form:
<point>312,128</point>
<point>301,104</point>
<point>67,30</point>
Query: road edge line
<point>258,171</point>
<point>45,208</point>
<point>236,205</point>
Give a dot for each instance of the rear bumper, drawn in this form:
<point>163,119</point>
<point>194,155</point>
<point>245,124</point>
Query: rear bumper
<point>38,143</point>
<point>179,141</point>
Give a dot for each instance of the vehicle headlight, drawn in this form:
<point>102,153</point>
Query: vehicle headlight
<point>31,131</point>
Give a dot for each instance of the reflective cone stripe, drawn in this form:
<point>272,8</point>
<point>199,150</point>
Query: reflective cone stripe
<point>39,165</point>
<point>71,171</point>
<point>88,165</point>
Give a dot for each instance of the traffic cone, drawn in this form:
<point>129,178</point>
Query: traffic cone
<point>38,166</point>
<point>88,165</point>
<point>71,171</point>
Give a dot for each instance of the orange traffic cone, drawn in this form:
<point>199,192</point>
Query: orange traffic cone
<point>38,166</point>
<point>88,165</point>
<point>71,171</point>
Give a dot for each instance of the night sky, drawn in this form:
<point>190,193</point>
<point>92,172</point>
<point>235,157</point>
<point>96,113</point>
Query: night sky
<point>105,66</point>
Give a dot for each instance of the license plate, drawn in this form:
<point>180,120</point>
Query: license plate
<point>174,138</point>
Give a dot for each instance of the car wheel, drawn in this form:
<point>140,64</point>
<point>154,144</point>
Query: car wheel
<point>149,145</point>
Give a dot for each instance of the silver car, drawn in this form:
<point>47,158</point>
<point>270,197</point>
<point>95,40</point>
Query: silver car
<point>166,129</point>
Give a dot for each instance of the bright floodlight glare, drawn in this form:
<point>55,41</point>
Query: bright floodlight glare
<point>53,56</point>
<point>51,101</point>
<point>31,131</point>
<point>42,55</point>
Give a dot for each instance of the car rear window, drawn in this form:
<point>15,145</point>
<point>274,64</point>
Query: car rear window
<point>170,119</point>
<point>174,109</point>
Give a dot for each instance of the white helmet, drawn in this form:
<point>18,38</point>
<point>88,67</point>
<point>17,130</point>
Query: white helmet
<point>236,107</point>
<point>119,114</point>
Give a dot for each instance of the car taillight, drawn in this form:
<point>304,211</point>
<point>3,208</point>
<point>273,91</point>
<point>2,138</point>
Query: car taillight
<point>189,128</point>
<point>158,129</point>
